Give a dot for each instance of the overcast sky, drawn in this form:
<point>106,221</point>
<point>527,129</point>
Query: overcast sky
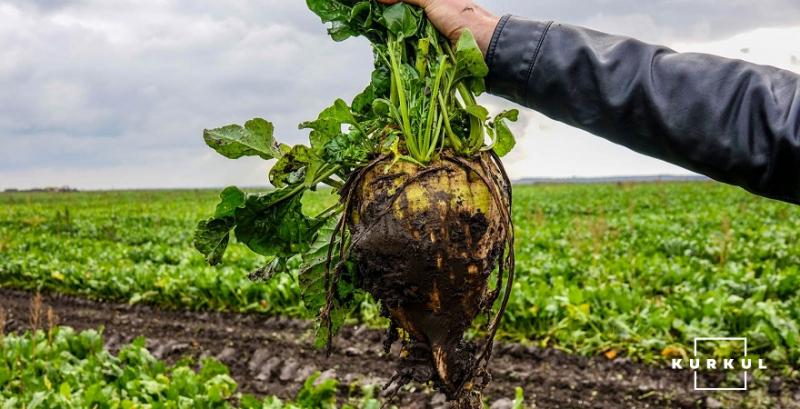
<point>116,93</point>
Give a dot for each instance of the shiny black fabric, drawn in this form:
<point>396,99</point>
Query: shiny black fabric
<point>731,120</point>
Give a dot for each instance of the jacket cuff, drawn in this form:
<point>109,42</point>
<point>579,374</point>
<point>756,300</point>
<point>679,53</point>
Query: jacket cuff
<point>512,55</point>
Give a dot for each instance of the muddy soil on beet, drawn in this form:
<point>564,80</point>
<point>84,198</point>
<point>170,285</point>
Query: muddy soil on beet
<point>273,356</point>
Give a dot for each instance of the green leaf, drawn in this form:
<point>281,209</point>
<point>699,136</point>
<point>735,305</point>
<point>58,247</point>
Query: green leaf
<point>65,391</point>
<point>363,101</point>
<point>381,81</point>
<point>349,149</point>
<point>478,112</point>
<point>318,394</point>
<point>341,112</point>
<point>381,107</point>
<point>341,31</point>
<point>234,141</point>
<point>230,199</point>
<point>292,167</point>
<point>401,20</point>
<point>519,398</point>
<point>329,10</point>
<point>329,124</point>
<point>312,270</point>
<point>361,14</point>
<point>311,173</point>
<point>211,238</point>
<point>476,85</point>
<point>379,87</point>
<point>505,141</point>
<point>346,21</point>
<point>210,368</point>
<point>469,58</point>
<point>340,312</point>
<point>267,272</point>
<point>323,131</point>
<point>312,283</point>
<point>274,224</point>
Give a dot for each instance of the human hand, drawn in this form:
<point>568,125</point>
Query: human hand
<point>453,16</point>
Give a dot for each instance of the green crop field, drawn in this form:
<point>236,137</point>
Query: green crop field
<point>62,368</point>
<point>633,270</point>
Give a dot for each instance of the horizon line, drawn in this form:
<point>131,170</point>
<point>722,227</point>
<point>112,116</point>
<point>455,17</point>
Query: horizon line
<point>534,180</point>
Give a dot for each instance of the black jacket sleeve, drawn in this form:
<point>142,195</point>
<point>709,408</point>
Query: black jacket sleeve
<point>731,120</point>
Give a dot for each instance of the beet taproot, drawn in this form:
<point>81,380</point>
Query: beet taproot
<point>425,241</point>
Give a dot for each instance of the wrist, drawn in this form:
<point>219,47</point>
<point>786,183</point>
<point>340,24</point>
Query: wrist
<point>484,31</point>
<point>477,20</point>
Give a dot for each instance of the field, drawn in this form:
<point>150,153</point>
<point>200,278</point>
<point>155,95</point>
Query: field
<point>611,276</point>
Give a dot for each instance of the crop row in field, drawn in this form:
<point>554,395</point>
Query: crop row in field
<point>637,270</point>
<point>133,246</point>
<point>62,368</point>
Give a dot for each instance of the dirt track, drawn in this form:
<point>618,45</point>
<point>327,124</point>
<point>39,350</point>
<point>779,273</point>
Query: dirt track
<point>274,356</point>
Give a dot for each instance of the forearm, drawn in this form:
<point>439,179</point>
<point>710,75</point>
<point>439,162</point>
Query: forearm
<point>733,121</point>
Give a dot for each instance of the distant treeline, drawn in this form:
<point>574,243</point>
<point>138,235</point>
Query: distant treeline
<point>44,189</point>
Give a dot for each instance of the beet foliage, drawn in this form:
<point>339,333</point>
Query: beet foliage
<point>419,108</point>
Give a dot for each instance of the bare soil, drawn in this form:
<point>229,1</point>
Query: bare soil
<point>273,356</point>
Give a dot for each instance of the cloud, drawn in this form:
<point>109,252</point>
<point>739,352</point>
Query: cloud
<point>92,86</point>
<point>546,148</point>
<point>669,20</point>
<point>778,47</point>
<point>101,93</point>
<point>43,5</point>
